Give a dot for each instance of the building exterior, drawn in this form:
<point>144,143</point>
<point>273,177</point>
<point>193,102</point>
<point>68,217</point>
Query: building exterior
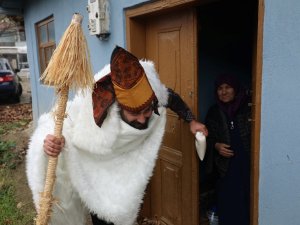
<point>191,41</point>
<point>13,42</point>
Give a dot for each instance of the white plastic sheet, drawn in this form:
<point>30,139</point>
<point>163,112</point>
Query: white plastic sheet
<point>200,143</point>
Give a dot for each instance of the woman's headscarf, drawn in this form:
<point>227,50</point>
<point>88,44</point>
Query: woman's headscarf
<point>231,108</point>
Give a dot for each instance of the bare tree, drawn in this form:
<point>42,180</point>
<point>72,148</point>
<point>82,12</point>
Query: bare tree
<point>9,23</point>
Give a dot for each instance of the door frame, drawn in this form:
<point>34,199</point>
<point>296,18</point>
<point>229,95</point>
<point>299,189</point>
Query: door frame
<point>256,114</point>
<point>135,41</point>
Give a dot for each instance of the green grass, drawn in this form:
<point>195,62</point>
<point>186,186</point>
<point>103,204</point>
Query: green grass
<point>10,212</point>
<point>8,157</point>
<point>9,126</point>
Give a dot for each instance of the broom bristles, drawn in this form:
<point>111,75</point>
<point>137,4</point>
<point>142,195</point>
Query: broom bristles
<point>70,63</point>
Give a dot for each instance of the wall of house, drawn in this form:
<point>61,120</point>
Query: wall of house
<point>62,10</point>
<point>279,193</point>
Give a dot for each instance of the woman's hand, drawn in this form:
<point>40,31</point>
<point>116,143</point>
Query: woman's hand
<point>224,150</point>
<point>53,145</point>
<point>196,126</point>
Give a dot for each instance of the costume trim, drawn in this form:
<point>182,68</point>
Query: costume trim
<point>137,97</point>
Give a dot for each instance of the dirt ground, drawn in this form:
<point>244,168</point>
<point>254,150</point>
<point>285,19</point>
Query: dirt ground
<point>20,136</point>
<point>20,112</point>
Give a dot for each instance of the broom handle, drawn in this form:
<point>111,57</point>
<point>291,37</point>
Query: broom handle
<point>46,197</point>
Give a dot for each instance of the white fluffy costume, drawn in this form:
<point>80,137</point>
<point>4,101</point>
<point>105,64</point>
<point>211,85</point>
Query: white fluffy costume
<point>102,170</point>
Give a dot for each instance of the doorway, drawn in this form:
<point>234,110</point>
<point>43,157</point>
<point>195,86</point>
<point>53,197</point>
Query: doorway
<point>226,37</point>
<point>179,175</point>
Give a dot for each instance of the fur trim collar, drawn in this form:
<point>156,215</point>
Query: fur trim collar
<point>112,184</point>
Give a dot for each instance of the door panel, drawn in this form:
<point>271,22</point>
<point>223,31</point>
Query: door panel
<point>170,43</point>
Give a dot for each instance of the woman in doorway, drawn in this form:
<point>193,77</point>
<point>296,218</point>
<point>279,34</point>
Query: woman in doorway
<point>229,143</point>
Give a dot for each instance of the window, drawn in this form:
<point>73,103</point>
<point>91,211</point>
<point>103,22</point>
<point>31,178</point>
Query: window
<point>22,35</point>
<point>46,41</point>
<point>7,67</point>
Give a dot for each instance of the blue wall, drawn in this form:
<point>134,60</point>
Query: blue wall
<point>279,193</point>
<point>62,10</point>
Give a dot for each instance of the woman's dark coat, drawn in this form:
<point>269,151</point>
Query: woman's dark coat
<point>217,126</point>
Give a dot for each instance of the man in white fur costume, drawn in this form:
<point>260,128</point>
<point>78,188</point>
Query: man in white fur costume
<point>111,141</point>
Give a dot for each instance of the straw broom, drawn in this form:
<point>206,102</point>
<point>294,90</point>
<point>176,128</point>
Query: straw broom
<point>68,68</point>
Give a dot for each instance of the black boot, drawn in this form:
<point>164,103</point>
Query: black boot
<point>97,221</point>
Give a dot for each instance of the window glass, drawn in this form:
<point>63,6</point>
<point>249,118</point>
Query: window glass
<point>22,36</point>
<point>43,34</point>
<point>7,66</point>
<point>23,58</point>
<point>51,31</point>
<point>42,60</point>
<point>48,54</point>
<point>46,41</point>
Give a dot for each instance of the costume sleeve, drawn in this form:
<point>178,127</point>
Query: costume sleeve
<point>36,159</point>
<point>177,105</point>
<point>70,209</point>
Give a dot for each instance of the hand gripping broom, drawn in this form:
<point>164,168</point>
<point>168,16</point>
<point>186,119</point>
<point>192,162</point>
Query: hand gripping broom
<point>69,67</point>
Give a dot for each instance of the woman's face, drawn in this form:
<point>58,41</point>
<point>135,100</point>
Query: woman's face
<point>225,93</point>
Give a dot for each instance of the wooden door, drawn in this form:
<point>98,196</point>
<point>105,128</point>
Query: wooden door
<point>171,44</point>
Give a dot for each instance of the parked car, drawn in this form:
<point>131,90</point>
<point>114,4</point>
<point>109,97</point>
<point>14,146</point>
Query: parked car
<point>10,85</point>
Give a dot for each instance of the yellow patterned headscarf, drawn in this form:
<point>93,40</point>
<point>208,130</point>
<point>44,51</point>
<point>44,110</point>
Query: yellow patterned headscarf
<point>127,83</point>
<point>132,88</point>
